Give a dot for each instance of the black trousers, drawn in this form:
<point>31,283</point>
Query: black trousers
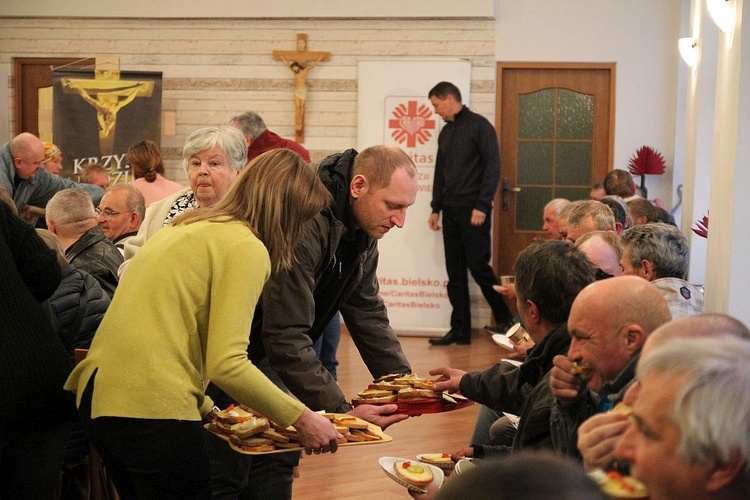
<point>468,249</point>
<point>30,460</point>
<point>150,458</point>
<point>247,477</point>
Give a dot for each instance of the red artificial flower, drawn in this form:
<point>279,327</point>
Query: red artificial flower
<point>702,229</point>
<point>647,161</point>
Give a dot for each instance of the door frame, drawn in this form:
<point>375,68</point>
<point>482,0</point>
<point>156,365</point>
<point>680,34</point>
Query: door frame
<point>512,65</point>
<point>26,100</point>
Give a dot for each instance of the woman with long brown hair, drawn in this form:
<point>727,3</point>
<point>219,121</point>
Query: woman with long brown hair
<point>141,388</point>
<point>147,166</point>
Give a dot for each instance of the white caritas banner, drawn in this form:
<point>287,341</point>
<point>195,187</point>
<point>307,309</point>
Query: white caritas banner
<point>394,110</point>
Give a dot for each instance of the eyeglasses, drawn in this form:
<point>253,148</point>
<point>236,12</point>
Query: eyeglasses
<point>106,214</point>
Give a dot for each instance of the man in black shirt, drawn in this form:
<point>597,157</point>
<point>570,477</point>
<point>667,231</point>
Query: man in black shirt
<point>467,172</point>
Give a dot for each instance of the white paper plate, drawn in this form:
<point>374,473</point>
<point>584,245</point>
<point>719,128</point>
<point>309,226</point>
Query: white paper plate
<point>386,463</point>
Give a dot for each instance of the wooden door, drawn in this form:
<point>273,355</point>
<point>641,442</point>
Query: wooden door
<point>32,84</point>
<point>556,131</point>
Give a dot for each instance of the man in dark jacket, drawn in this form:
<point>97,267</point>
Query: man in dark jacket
<point>549,275</point>
<point>467,171</point>
<point>33,365</point>
<point>335,269</point>
<point>71,216</point>
<point>609,323</point>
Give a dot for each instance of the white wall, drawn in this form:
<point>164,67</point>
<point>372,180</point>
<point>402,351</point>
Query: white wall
<point>639,35</point>
<point>728,271</point>
<point>248,9</point>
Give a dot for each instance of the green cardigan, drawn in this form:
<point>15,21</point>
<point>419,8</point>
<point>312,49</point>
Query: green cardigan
<point>180,318</point>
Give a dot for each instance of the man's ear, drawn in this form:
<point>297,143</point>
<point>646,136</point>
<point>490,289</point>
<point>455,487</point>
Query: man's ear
<point>358,186</point>
<point>647,270</point>
<point>135,220</point>
<point>533,311</point>
<point>634,338</point>
<point>725,474</point>
<point>51,226</point>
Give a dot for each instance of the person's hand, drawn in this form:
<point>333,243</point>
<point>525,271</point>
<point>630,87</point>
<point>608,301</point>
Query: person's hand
<point>467,452</point>
<point>316,433</point>
<point>598,436</point>
<point>520,350</point>
<point>433,221</point>
<point>380,415</point>
<point>508,291</point>
<point>565,384</point>
<point>450,379</point>
<point>432,491</point>
<point>477,217</point>
<point>658,202</point>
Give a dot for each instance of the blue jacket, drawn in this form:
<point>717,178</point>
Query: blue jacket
<point>37,190</point>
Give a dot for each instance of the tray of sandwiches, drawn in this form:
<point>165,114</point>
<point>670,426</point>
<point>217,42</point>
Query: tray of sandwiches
<point>412,394</point>
<point>250,433</point>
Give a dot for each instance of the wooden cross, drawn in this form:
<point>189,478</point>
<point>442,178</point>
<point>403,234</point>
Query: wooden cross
<point>300,61</point>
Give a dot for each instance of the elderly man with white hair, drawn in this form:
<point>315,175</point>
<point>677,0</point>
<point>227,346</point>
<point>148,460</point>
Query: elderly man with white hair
<point>690,437</point>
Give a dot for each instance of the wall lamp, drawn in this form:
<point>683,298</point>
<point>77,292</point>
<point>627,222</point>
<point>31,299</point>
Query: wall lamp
<point>688,50</point>
<point>722,12</point>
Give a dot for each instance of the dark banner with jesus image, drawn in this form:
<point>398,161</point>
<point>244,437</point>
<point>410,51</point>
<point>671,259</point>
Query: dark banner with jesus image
<point>97,117</point>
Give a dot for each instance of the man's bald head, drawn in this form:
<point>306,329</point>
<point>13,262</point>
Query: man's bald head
<point>609,323</point>
<point>27,151</point>
<point>25,142</point>
<point>703,325</point>
<point>624,299</point>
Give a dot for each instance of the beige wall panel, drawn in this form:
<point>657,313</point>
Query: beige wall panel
<point>213,69</point>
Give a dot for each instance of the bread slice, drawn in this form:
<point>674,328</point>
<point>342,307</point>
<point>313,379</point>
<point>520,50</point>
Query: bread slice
<point>389,377</point>
<point>436,458</point>
<point>250,427</point>
<point>390,398</point>
<point>350,422</point>
<point>374,393</point>
<point>411,394</point>
<point>413,473</point>
<point>276,436</point>
<point>583,369</point>
<point>233,415</point>
<point>386,386</point>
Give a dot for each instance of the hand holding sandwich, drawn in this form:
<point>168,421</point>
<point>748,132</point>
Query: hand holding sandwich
<point>450,379</point>
<point>598,436</point>
<point>316,433</point>
<point>567,380</point>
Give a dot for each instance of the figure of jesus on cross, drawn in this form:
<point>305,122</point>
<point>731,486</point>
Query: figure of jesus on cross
<point>300,61</point>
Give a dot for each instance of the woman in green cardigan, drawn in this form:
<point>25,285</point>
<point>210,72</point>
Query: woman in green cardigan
<point>181,317</point>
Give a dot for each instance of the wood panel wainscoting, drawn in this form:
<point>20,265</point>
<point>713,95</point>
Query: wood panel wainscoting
<point>353,472</point>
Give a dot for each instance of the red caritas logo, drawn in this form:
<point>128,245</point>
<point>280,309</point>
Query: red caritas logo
<point>412,123</point>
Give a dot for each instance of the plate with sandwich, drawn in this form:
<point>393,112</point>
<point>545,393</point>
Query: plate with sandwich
<point>412,474</point>
<point>250,433</point>
<point>616,485</point>
<point>412,394</point>
<point>441,460</point>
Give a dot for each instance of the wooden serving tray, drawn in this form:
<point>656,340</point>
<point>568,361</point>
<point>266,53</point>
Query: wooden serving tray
<point>384,438</point>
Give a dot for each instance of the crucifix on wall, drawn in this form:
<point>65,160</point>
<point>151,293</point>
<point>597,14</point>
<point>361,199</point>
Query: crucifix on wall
<point>300,61</point>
